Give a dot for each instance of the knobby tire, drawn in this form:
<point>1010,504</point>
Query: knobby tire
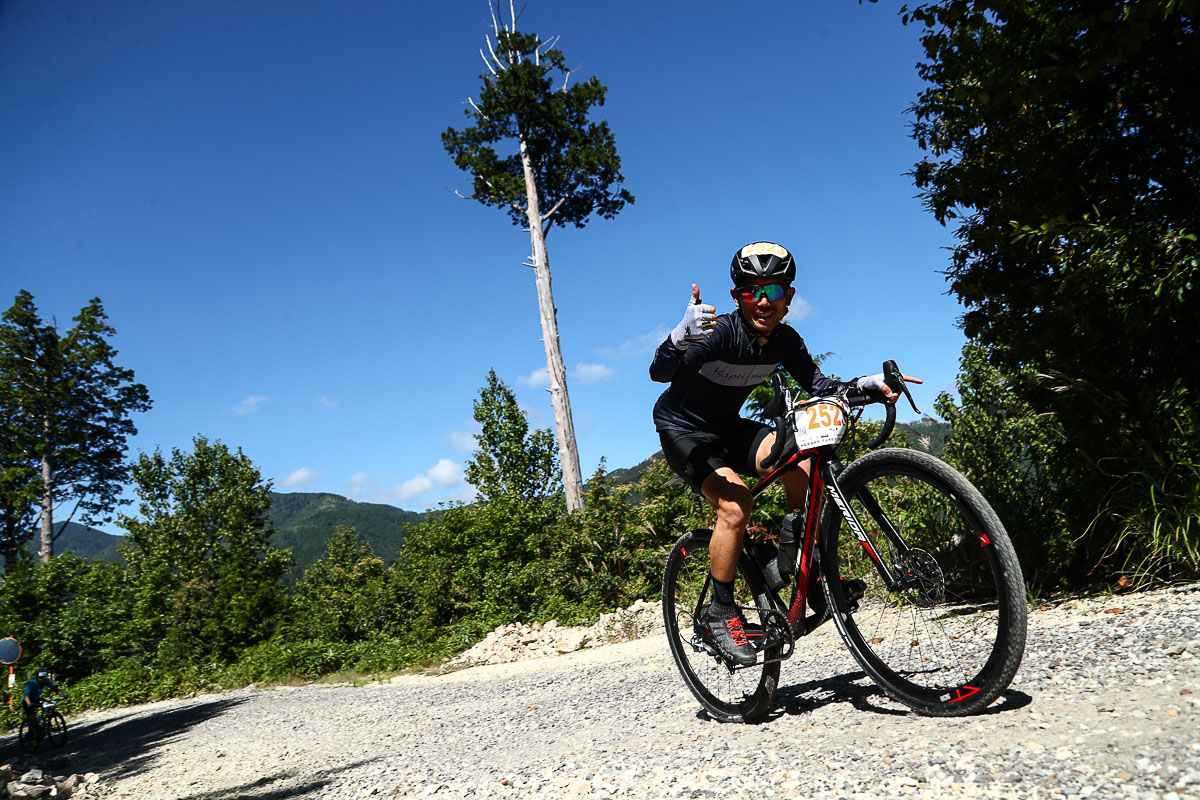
<point>27,736</point>
<point>727,694</point>
<point>950,640</point>
<point>56,729</point>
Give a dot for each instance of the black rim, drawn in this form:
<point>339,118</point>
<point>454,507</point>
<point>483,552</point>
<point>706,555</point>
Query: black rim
<point>937,640</point>
<point>27,739</point>
<point>57,725</point>
<point>728,692</point>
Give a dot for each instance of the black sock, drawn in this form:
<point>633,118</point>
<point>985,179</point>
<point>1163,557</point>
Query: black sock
<point>723,593</point>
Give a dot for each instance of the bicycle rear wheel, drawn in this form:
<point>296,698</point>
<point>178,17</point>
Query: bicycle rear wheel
<point>948,640</point>
<point>27,736</point>
<point>56,729</point>
<point>729,693</point>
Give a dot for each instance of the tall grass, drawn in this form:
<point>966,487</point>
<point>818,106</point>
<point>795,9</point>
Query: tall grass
<point>1153,510</point>
<point>1157,520</point>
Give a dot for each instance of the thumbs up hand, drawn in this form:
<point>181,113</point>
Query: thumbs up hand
<point>698,321</point>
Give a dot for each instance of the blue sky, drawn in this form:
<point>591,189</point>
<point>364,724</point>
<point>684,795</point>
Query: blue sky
<point>258,193</point>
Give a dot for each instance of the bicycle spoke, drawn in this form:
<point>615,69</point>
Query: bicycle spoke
<point>953,625</point>
<point>727,692</point>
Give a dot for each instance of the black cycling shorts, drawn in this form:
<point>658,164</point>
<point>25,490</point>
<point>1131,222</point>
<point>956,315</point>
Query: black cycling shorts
<point>694,455</point>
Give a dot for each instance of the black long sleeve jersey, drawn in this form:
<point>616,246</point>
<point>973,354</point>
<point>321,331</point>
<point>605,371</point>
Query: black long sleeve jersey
<point>712,378</point>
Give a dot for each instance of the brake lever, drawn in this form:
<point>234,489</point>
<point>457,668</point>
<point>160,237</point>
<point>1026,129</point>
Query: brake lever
<point>894,378</point>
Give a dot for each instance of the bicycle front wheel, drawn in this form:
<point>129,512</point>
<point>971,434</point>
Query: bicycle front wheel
<point>946,636</point>
<point>728,692</point>
<point>56,729</point>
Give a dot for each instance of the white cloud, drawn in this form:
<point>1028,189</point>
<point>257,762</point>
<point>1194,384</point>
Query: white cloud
<point>584,373</point>
<point>594,373</point>
<point>467,494</point>
<point>300,477</point>
<point>251,404</point>
<point>446,473</point>
<point>412,487</point>
<point>638,346</point>
<point>323,400</point>
<point>538,379</point>
<point>463,441</point>
<point>360,483</point>
<point>798,310</point>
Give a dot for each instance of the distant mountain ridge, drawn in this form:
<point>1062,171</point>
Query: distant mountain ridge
<point>303,521</point>
<point>85,542</point>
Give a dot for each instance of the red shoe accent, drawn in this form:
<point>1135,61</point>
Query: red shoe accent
<point>736,631</point>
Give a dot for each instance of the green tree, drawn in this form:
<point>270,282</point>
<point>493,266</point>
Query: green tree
<point>207,579</point>
<point>554,165</point>
<point>1063,143</point>
<point>20,481</point>
<point>345,595</point>
<point>606,556</point>
<point>669,508</point>
<point>475,567</point>
<point>68,615</point>
<point>65,419</point>
<point>510,460</point>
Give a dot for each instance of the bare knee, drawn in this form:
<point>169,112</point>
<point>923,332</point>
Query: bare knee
<point>733,508</point>
<point>730,497</point>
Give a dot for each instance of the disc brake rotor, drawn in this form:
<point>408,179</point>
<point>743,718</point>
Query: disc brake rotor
<point>926,583</point>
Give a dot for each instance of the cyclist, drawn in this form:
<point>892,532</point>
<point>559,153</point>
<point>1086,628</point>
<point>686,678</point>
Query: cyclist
<point>32,699</point>
<point>712,363</point>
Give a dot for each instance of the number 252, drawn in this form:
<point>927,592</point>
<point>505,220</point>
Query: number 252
<point>820,416</point>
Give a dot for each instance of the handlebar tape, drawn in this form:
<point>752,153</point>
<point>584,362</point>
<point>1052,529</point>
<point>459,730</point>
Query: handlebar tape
<point>778,414</point>
<point>889,423</point>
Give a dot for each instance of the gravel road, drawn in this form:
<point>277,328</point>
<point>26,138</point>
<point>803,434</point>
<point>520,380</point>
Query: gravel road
<point>1106,704</point>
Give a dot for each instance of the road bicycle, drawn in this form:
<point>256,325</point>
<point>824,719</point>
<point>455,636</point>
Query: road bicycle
<point>49,724</point>
<point>909,561</point>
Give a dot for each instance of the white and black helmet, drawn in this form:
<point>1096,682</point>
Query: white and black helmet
<point>762,260</point>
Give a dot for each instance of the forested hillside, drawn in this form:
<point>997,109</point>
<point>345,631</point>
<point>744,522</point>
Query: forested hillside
<point>84,542</point>
<point>305,521</point>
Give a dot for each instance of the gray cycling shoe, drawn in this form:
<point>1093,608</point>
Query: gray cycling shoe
<point>725,627</point>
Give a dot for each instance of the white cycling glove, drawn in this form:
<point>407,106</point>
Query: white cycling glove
<point>697,322</point>
<point>870,382</point>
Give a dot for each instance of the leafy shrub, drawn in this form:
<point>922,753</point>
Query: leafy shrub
<point>1011,453</point>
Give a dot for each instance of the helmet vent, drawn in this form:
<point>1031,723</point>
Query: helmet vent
<point>762,260</point>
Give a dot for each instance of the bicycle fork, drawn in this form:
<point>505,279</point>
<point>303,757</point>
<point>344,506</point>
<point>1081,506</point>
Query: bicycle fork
<point>902,576</point>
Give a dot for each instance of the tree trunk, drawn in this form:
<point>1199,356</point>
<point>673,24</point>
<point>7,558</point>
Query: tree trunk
<point>568,452</point>
<point>47,550</point>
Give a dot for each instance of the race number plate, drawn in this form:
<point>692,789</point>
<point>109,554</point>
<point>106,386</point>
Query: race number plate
<point>820,421</point>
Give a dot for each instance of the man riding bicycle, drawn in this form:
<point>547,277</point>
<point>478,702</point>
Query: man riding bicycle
<point>713,362</point>
<point>31,699</point>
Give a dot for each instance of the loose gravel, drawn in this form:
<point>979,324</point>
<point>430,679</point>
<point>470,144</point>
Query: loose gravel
<point>1105,706</point>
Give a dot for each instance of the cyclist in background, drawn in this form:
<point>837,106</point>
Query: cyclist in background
<point>31,701</point>
<point>712,363</point>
